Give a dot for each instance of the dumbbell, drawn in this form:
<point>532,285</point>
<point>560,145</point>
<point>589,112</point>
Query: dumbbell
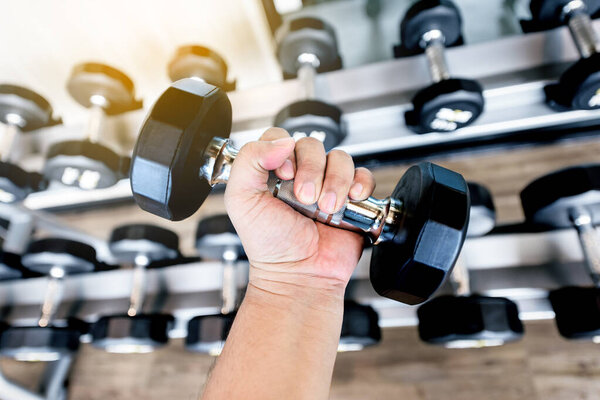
<point>22,111</point>
<point>579,86</point>
<point>216,239</point>
<point>467,320</point>
<point>570,198</point>
<point>10,266</point>
<point>137,332</point>
<point>306,46</point>
<point>360,327</point>
<point>200,62</point>
<point>50,339</point>
<point>182,151</point>
<point>87,163</point>
<point>430,26</point>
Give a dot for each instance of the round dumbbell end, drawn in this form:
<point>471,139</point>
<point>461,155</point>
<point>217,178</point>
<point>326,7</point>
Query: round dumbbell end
<point>360,327</point>
<point>34,110</point>
<point>427,15</point>
<point>124,334</point>
<point>313,118</point>
<point>165,167</point>
<point>39,344</point>
<point>306,35</point>
<point>473,321</point>
<point>74,257</point>
<point>198,61</point>
<point>411,267</point>
<point>548,200</point>
<point>207,333</point>
<point>446,106</point>
<point>577,312</point>
<point>154,242</point>
<point>482,217</point>
<point>83,164</point>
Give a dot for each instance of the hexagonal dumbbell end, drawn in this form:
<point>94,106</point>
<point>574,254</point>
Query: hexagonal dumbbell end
<point>16,183</point>
<point>71,256</point>
<point>32,110</point>
<point>577,311</point>
<point>412,266</point>
<point>200,62</point>
<point>578,87</point>
<point>482,217</point>
<point>207,333</point>
<point>153,242</point>
<point>165,167</point>
<point>446,106</point>
<point>471,321</point>
<point>360,327</point>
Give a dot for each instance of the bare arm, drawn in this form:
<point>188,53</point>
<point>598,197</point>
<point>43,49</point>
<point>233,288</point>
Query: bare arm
<point>284,339</point>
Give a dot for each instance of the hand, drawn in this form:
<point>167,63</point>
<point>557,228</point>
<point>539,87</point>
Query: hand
<point>282,245</point>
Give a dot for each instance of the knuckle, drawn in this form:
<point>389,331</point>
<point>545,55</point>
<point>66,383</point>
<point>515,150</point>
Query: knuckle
<point>340,154</point>
<point>310,141</point>
<point>274,133</point>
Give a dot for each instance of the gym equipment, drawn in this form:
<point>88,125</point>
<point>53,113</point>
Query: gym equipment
<point>570,198</point>
<point>306,46</point>
<point>216,239</point>
<point>10,266</point>
<point>22,111</point>
<point>182,152</point>
<point>136,332</point>
<point>430,26</point>
<point>360,327</point>
<point>50,339</point>
<point>579,86</point>
<point>87,163</point>
<point>194,61</point>
<point>469,320</point>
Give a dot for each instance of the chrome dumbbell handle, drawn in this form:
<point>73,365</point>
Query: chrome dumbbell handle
<point>580,24</point>
<point>52,295</point>
<point>374,217</point>
<point>590,242</point>
<point>434,44</point>
<point>307,71</point>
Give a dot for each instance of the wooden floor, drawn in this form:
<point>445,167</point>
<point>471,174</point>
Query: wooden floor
<point>542,366</point>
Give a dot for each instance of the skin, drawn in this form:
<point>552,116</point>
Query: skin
<point>284,340</point>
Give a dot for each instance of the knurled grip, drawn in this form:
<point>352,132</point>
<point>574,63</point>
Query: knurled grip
<point>284,191</point>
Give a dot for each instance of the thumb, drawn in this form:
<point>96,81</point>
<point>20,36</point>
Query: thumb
<point>250,170</point>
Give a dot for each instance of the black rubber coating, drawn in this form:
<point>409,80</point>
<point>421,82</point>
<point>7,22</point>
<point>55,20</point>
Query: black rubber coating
<point>427,15</point>
<point>455,94</point>
<point>450,318</point>
<point>412,266</point>
<point>201,51</point>
<point>168,154</point>
<point>482,217</point>
<point>308,107</point>
<point>577,311</point>
<point>35,339</point>
<point>143,329</point>
<point>38,100</point>
<point>18,182</point>
<point>85,148</point>
<point>360,324</point>
<point>208,331</point>
<point>214,225</point>
<point>549,12</point>
<point>577,86</point>
<point>10,266</point>
<point>59,245</point>
<point>480,196</point>
<point>152,233</point>
<point>547,190</point>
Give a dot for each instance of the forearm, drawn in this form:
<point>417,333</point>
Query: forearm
<point>282,345</point>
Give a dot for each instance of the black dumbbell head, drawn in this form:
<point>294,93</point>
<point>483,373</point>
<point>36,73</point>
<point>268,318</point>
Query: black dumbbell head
<point>428,15</point>
<point>215,235</point>
<point>360,327</point>
<point>154,242</point>
<point>550,12</point>
<point>548,200</point>
<point>73,257</point>
<point>138,334</point>
<point>207,333</point>
<point>446,106</point>
<point>199,61</point>
<point>411,267</point>
<point>34,343</point>
<point>483,212</point>
<point>577,312</point>
<point>578,87</point>
<point>95,79</point>
<point>10,266</point>
<point>313,118</point>
<point>84,164</point>
<point>34,110</point>
<point>16,183</point>
<point>165,167</point>
<point>306,35</point>
<point>473,321</point>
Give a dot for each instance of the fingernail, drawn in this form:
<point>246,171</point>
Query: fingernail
<point>307,193</point>
<point>287,169</point>
<point>328,203</point>
<point>282,142</point>
<point>356,190</point>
